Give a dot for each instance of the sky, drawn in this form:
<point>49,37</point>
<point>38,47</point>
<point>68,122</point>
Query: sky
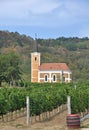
<point>45,18</point>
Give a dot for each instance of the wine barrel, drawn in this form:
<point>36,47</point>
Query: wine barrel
<point>73,121</point>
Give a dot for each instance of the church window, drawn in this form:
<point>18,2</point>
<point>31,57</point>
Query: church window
<point>35,58</point>
<point>54,78</point>
<point>46,78</point>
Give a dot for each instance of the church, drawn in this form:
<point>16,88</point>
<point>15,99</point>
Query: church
<point>49,72</point>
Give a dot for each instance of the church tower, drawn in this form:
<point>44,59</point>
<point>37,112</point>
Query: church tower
<point>35,63</point>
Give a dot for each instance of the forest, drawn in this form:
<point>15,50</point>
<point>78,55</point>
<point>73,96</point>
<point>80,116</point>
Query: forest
<point>73,50</point>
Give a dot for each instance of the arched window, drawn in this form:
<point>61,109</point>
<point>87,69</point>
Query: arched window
<point>35,58</point>
<point>46,78</point>
<point>54,78</point>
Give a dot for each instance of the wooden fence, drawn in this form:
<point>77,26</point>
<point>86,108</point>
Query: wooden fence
<point>82,114</point>
<point>48,115</point>
<point>10,116</point>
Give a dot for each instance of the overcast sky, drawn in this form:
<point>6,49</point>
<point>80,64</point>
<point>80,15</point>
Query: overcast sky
<point>46,18</point>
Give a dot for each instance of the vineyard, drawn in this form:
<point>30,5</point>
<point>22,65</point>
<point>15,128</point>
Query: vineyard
<point>44,97</point>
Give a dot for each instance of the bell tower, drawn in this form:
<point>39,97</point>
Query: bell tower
<point>35,63</point>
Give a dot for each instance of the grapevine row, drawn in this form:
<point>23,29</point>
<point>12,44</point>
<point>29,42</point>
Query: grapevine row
<point>44,97</point>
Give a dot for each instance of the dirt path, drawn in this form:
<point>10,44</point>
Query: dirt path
<point>56,123</point>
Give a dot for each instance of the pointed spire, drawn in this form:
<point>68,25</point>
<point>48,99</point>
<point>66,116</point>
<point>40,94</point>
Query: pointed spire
<point>36,45</point>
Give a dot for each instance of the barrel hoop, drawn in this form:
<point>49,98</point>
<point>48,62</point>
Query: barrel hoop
<point>73,118</point>
<point>73,123</point>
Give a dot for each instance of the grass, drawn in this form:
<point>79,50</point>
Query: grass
<point>85,126</point>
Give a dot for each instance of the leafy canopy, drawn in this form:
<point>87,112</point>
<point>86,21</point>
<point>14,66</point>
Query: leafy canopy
<point>10,71</point>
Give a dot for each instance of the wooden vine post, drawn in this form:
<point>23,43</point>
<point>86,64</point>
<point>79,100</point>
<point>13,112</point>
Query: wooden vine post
<point>69,104</point>
<point>73,120</point>
<point>28,110</point>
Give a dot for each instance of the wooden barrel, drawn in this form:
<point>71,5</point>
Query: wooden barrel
<point>73,121</point>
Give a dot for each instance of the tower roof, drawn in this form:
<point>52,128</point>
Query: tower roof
<point>36,44</point>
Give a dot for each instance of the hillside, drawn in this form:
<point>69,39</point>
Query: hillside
<point>74,51</point>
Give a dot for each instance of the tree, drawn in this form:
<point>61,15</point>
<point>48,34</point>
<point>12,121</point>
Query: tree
<point>3,67</point>
<point>10,71</point>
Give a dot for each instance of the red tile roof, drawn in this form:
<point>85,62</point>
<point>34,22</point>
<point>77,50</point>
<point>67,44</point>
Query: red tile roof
<point>54,66</point>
